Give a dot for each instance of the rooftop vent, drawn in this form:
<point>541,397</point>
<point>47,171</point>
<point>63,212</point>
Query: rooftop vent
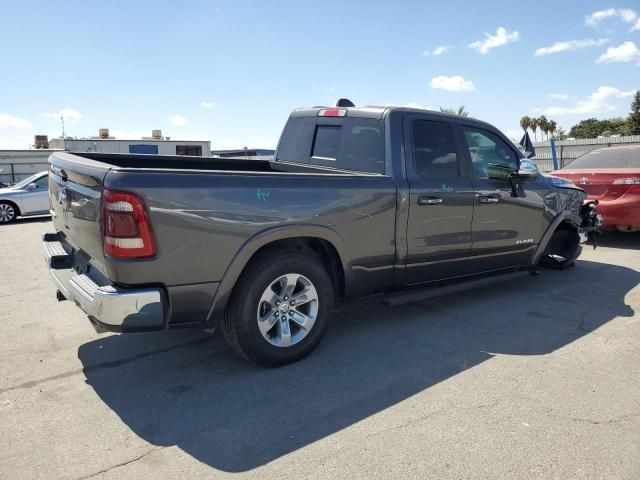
<point>41,141</point>
<point>156,134</point>
<point>103,133</point>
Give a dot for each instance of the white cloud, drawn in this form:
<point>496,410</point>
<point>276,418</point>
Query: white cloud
<point>501,38</point>
<point>570,46</point>
<point>69,114</point>
<point>209,104</point>
<point>625,53</point>
<point>439,50</point>
<point>179,120</point>
<point>625,15</point>
<point>597,102</point>
<point>452,84</point>
<point>636,26</point>
<point>9,121</point>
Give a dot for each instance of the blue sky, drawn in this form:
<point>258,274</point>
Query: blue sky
<point>231,71</point>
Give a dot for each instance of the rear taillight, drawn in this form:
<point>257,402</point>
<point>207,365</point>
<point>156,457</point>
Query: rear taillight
<point>126,229</point>
<point>626,185</point>
<point>626,181</point>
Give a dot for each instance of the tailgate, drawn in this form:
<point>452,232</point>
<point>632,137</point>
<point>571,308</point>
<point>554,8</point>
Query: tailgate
<point>75,188</point>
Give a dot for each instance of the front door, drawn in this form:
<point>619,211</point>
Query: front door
<point>508,218</point>
<point>36,200</point>
<point>441,201</point>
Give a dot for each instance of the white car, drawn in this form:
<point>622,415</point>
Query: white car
<point>28,197</point>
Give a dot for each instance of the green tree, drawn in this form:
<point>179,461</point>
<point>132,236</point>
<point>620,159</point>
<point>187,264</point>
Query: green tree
<point>460,111</point>
<point>592,127</point>
<point>534,127</point>
<point>633,122</point>
<point>525,123</point>
<point>543,123</point>
<point>560,134</point>
<point>553,127</point>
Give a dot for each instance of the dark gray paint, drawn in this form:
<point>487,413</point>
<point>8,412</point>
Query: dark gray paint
<point>212,216</point>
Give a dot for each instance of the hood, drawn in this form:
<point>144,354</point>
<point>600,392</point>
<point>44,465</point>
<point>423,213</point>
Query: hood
<point>9,190</point>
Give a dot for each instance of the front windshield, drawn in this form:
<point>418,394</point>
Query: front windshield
<point>27,181</point>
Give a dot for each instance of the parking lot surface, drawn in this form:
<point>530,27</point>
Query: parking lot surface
<point>538,378</point>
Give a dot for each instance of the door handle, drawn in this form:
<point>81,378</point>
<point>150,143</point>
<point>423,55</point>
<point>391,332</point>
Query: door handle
<point>429,200</point>
<point>488,199</point>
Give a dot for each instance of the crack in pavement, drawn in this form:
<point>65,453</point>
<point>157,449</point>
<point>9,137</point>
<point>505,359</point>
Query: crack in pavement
<point>123,464</point>
<point>100,366</point>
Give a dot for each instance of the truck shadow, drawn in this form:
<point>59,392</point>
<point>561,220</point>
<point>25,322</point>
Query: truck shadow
<point>626,240</point>
<point>235,417</point>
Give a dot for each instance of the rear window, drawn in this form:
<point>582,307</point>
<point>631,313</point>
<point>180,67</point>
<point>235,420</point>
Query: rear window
<point>434,150</point>
<point>608,158</point>
<point>355,144</point>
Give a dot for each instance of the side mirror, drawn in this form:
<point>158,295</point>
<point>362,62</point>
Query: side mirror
<point>527,168</point>
<point>32,186</point>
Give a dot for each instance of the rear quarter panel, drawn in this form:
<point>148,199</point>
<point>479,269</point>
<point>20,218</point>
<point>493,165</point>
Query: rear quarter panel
<point>202,219</point>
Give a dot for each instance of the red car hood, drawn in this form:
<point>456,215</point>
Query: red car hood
<point>599,183</point>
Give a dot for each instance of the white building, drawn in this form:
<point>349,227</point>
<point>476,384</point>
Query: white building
<point>156,144</point>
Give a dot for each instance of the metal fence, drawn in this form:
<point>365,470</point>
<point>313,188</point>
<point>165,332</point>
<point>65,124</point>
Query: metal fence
<point>11,173</point>
<point>568,150</point>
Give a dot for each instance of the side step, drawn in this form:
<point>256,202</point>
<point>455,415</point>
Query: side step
<point>427,293</point>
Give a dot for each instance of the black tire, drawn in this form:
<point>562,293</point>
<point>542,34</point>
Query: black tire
<point>240,325</point>
<point>8,208</point>
<point>564,247</point>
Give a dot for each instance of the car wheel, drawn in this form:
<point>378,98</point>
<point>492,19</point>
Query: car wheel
<point>8,212</point>
<point>280,308</point>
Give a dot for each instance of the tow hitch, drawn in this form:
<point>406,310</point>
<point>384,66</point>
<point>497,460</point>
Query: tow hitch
<point>591,223</point>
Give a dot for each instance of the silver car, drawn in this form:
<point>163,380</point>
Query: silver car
<point>28,197</point>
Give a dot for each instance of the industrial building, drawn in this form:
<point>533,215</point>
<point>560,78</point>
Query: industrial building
<point>156,144</point>
<point>16,165</point>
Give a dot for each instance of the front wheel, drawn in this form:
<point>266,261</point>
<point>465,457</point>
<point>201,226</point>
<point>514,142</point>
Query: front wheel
<point>7,212</point>
<point>280,308</point>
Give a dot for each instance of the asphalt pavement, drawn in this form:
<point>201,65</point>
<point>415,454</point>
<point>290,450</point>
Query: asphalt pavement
<point>533,378</point>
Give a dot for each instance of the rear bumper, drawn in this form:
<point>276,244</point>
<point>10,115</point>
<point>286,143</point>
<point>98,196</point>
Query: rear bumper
<point>109,308</point>
<point>623,211</point>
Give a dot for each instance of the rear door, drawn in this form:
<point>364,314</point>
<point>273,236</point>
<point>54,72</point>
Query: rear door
<point>441,200</point>
<point>508,222</point>
<point>36,200</point>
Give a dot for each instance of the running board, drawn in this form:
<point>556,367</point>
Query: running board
<point>427,293</point>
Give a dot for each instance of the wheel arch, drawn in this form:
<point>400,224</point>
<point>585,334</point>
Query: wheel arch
<point>318,239</point>
<point>13,203</point>
<point>562,220</point>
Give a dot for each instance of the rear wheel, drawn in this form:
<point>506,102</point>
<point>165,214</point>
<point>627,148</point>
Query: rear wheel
<point>280,308</point>
<point>8,212</point>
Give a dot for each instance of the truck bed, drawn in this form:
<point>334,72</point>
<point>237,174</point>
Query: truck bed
<point>175,162</point>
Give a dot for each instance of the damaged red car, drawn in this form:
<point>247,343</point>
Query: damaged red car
<point>612,176</point>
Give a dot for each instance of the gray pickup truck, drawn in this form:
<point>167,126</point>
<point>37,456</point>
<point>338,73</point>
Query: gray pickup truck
<point>356,202</point>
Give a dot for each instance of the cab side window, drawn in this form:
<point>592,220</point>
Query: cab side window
<point>491,157</point>
<point>434,150</point>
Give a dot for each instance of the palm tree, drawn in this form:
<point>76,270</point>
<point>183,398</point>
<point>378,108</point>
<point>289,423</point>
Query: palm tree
<point>534,127</point>
<point>553,127</point>
<point>461,111</point>
<point>525,123</point>
<point>543,123</point>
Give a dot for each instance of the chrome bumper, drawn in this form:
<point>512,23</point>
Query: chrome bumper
<point>109,308</point>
